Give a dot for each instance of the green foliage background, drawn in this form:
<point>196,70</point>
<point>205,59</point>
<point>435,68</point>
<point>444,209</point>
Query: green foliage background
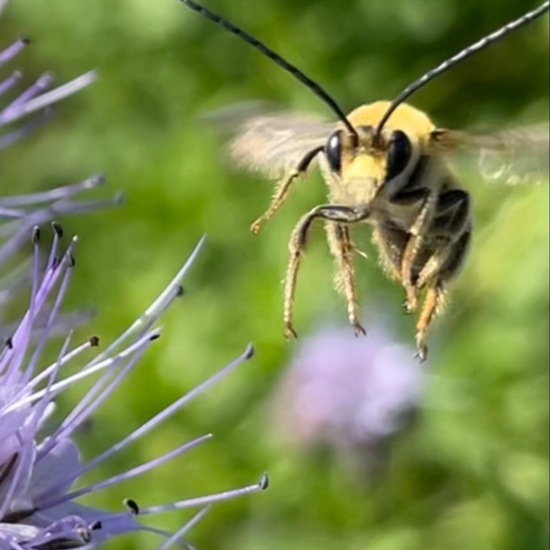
<point>473,474</point>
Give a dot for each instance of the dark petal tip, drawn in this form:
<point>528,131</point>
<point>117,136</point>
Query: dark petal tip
<point>36,235</point>
<point>180,291</point>
<point>96,525</point>
<point>25,39</point>
<point>8,342</point>
<point>132,506</point>
<point>84,534</point>
<point>249,352</point>
<point>99,179</point>
<point>154,337</point>
<point>71,260</point>
<point>264,482</point>
<point>94,341</point>
<point>58,230</point>
<point>120,199</point>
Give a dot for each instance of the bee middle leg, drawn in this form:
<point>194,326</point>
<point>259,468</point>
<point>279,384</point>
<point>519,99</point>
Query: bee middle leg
<point>418,232</point>
<point>282,189</point>
<point>297,245</point>
<point>342,248</point>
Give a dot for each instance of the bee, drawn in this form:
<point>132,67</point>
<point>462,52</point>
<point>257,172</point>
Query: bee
<point>384,165</point>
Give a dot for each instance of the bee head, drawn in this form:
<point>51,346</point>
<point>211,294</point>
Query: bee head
<point>377,158</point>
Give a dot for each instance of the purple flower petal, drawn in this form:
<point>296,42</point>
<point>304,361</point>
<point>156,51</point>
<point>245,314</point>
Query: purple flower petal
<point>38,508</point>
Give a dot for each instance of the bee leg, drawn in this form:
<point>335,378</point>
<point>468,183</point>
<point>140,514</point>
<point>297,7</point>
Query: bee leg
<point>445,262</point>
<point>432,305</point>
<point>342,249</point>
<point>442,266</point>
<point>418,230</point>
<point>430,276</point>
<point>297,245</point>
<point>452,213</point>
<point>282,189</point>
<point>452,225</point>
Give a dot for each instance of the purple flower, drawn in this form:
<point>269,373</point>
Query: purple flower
<point>19,214</point>
<point>348,393</point>
<point>38,97</point>
<point>39,508</point>
<point>40,465</point>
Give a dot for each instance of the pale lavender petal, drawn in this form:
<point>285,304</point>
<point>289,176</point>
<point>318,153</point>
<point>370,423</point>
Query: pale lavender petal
<point>10,82</point>
<point>14,50</point>
<point>46,99</point>
<point>38,510</point>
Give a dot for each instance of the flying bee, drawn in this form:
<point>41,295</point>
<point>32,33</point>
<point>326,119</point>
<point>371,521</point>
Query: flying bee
<point>385,164</point>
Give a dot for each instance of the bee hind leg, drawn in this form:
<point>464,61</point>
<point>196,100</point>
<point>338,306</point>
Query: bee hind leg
<point>283,187</point>
<point>446,214</point>
<point>440,268</point>
<point>342,248</point>
<point>433,304</point>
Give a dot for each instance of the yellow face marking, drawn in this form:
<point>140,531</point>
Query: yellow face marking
<point>364,164</point>
<point>416,124</point>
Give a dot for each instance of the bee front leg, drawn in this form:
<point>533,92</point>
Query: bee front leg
<point>418,232</point>
<point>297,245</point>
<point>342,249</point>
<point>282,189</point>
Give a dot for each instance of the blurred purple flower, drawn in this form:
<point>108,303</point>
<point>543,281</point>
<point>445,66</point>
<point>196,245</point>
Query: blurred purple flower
<point>348,393</point>
<point>39,507</point>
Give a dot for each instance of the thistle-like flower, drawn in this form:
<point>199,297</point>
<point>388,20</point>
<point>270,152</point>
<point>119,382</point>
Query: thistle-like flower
<point>41,470</point>
<point>349,394</point>
<point>21,115</point>
<point>39,508</point>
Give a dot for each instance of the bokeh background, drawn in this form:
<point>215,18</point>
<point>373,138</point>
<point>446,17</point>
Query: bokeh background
<point>472,471</point>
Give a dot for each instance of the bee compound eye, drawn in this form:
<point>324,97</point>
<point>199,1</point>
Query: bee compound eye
<point>399,154</point>
<point>333,151</point>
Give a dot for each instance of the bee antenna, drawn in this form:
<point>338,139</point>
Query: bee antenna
<point>268,52</point>
<point>461,56</point>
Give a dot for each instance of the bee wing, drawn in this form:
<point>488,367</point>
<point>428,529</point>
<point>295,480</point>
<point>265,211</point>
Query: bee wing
<point>514,156</point>
<point>270,142</point>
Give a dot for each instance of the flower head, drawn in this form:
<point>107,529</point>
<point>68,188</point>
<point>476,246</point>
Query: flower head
<point>39,97</point>
<point>28,108</point>
<point>39,506</point>
<point>348,393</point>
<point>42,472</point>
